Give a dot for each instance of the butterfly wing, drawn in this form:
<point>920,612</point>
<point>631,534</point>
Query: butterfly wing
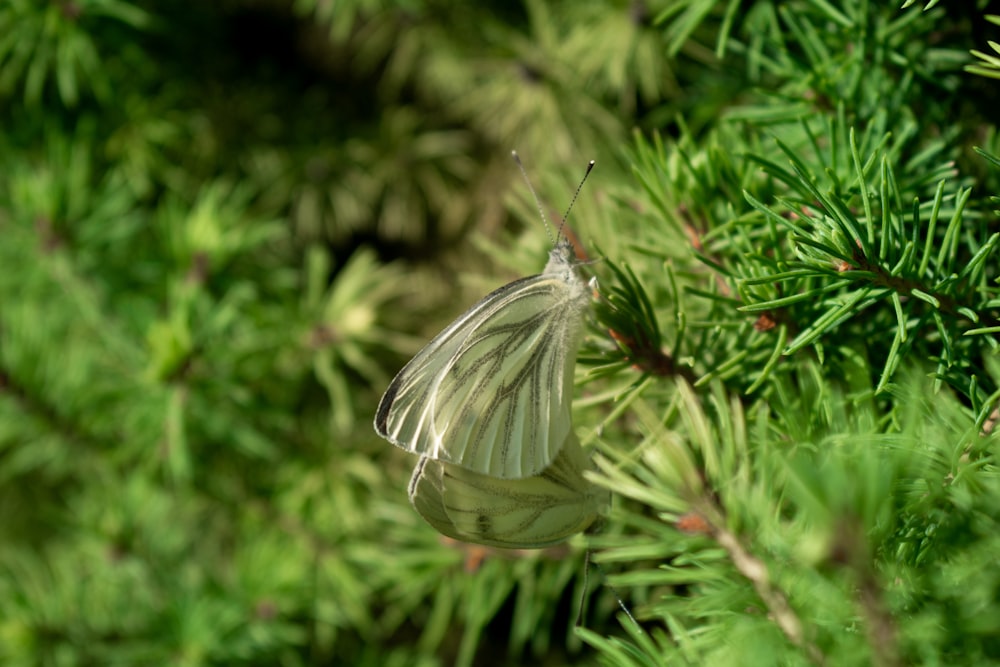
<point>492,392</point>
<point>528,513</point>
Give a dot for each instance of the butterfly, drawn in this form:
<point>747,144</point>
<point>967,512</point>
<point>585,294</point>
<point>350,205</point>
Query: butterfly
<point>492,392</point>
<point>527,513</point>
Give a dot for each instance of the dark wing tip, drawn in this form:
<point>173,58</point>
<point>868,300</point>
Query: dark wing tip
<point>382,414</point>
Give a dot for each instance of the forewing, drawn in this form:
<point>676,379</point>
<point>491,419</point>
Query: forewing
<point>492,392</point>
<point>528,513</point>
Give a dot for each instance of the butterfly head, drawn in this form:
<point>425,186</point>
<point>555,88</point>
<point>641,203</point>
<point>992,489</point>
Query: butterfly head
<point>562,262</point>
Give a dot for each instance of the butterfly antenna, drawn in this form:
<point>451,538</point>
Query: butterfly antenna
<point>590,168</point>
<point>538,203</point>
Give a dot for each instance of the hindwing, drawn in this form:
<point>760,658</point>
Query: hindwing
<point>528,513</point>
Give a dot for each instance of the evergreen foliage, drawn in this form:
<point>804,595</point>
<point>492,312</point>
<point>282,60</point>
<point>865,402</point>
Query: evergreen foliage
<point>223,226</point>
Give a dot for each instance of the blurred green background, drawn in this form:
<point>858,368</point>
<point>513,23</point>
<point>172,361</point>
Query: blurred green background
<point>224,226</point>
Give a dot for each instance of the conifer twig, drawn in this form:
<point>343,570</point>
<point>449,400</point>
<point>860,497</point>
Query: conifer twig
<point>851,550</point>
<point>755,570</point>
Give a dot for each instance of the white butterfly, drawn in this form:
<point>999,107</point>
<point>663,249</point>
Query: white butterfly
<point>492,392</point>
<point>528,513</point>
